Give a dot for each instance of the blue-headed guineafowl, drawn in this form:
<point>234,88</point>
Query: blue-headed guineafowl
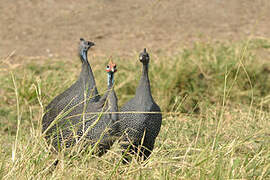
<point>140,128</point>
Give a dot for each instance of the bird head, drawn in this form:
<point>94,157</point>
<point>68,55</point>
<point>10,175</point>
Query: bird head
<point>144,57</point>
<point>111,67</point>
<point>85,45</point>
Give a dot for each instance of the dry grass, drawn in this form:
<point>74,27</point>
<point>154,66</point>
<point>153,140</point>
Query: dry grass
<point>216,104</point>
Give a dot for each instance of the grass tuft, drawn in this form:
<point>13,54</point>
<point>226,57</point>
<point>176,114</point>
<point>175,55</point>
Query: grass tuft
<point>216,103</point>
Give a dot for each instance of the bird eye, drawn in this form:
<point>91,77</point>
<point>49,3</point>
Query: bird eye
<point>108,68</point>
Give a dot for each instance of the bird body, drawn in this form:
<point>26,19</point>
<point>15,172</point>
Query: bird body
<point>141,126</point>
<point>78,94</point>
<point>79,115</point>
<point>89,123</point>
<point>103,126</point>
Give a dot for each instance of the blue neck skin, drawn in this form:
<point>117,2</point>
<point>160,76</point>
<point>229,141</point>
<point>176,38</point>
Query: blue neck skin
<point>83,54</point>
<point>110,79</point>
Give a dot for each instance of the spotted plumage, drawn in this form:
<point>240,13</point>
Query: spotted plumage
<point>139,128</point>
<point>91,122</point>
<point>82,91</point>
<point>102,127</point>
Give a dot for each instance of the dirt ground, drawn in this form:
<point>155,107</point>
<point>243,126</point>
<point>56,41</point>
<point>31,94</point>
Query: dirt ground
<point>124,27</point>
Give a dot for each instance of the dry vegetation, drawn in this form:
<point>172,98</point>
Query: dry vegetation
<point>214,97</point>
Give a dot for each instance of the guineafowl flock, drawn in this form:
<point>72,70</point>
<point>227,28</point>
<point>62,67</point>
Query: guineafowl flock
<point>79,116</point>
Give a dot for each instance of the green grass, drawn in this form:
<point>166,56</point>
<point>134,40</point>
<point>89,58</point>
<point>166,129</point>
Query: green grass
<point>216,103</point>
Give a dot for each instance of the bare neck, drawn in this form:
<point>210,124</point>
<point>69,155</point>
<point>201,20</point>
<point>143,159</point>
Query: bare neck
<point>110,80</point>
<point>112,98</point>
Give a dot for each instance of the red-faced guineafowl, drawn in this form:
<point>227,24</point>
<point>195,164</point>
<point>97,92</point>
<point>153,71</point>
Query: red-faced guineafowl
<point>83,90</point>
<point>90,123</point>
<point>140,128</point>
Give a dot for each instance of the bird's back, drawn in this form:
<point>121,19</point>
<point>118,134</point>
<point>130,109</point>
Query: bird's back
<point>66,101</point>
<point>139,120</point>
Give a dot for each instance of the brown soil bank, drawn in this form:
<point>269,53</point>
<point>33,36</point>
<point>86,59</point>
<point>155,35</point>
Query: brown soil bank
<point>51,28</point>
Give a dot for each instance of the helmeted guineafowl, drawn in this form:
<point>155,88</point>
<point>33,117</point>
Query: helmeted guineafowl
<point>91,122</point>
<point>140,128</point>
<point>83,90</point>
<point>102,127</point>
